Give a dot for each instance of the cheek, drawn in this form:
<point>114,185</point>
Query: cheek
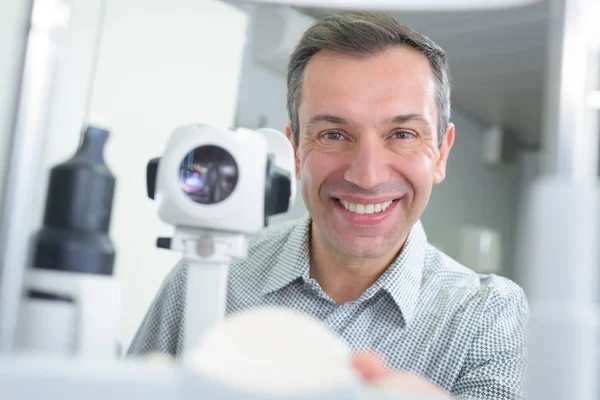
<point>417,167</point>
<point>423,156</point>
<point>315,169</point>
<point>425,149</point>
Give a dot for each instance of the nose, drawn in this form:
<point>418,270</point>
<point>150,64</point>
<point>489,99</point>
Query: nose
<point>368,167</point>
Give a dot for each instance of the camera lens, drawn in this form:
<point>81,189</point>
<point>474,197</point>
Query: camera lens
<point>208,174</point>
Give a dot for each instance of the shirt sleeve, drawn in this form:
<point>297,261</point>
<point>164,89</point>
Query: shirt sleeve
<point>495,366</point>
<point>162,328</point>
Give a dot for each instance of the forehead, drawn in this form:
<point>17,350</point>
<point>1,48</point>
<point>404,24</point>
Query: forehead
<point>397,81</point>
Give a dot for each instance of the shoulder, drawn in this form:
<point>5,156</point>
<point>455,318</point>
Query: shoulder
<point>266,249</point>
<point>268,244</point>
<point>488,315</point>
<point>271,239</point>
<point>490,293</point>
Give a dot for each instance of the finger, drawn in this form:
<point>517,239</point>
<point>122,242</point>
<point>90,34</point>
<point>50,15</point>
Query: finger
<point>369,366</point>
<point>410,383</point>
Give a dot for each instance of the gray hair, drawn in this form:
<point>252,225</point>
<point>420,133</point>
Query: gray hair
<point>364,34</point>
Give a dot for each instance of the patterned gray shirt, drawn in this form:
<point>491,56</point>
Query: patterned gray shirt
<point>426,314</point>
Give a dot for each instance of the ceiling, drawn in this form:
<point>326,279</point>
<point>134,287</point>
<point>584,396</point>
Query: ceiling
<point>497,62</point>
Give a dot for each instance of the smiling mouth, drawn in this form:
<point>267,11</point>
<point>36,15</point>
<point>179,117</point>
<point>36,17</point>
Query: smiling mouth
<point>359,208</point>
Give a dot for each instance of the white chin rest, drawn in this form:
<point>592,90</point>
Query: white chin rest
<point>275,351</point>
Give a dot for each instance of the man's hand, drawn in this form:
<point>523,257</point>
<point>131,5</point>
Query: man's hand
<point>374,372</point>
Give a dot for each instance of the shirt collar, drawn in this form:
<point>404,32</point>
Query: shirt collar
<point>293,260</point>
<point>402,280</point>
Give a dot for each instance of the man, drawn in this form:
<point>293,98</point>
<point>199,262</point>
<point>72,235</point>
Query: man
<point>369,107</point>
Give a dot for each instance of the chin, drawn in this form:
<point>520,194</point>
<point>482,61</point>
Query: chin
<point>361,247</point>
<point>360,242</point>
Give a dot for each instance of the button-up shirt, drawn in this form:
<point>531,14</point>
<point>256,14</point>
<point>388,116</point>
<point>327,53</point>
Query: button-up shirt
<point>426,313</point>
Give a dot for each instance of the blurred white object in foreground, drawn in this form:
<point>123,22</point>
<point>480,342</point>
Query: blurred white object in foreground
<point>273,351</point>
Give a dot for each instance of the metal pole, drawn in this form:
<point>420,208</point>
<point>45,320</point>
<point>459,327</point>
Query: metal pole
<point>48,27</point>
<point>570,147</point>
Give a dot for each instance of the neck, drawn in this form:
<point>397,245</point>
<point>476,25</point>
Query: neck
<point>344,278</point>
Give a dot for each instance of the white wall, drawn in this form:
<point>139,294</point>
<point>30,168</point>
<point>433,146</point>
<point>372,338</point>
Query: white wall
<point>472,193</point>
<point>14,19</point>
<point>530,167</point>
<point>162,64</point>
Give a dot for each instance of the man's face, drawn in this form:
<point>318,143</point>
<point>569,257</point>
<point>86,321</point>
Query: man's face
<point>368,153</point>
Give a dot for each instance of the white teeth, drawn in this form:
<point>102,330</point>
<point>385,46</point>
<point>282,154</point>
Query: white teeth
<point>365,208</point>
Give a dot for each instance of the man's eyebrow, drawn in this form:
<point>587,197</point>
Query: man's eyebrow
<point>325,118</point>
<point>400,119</point>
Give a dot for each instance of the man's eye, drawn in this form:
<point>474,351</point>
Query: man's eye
<point>332,136</point>
<point>404,135</point>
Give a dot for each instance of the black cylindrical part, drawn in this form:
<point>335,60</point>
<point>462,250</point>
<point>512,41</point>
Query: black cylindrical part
<point>278,190</point>
<point>79,202</point>
<point>151,174</point>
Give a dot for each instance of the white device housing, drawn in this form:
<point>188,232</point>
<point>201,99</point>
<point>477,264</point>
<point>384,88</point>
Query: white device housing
<point>244,210</point>
<point>210,236</point>
<point>86,326</point>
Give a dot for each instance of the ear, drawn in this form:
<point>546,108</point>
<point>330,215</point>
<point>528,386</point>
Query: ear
<point>439,173</point>
<point>290,135</point>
